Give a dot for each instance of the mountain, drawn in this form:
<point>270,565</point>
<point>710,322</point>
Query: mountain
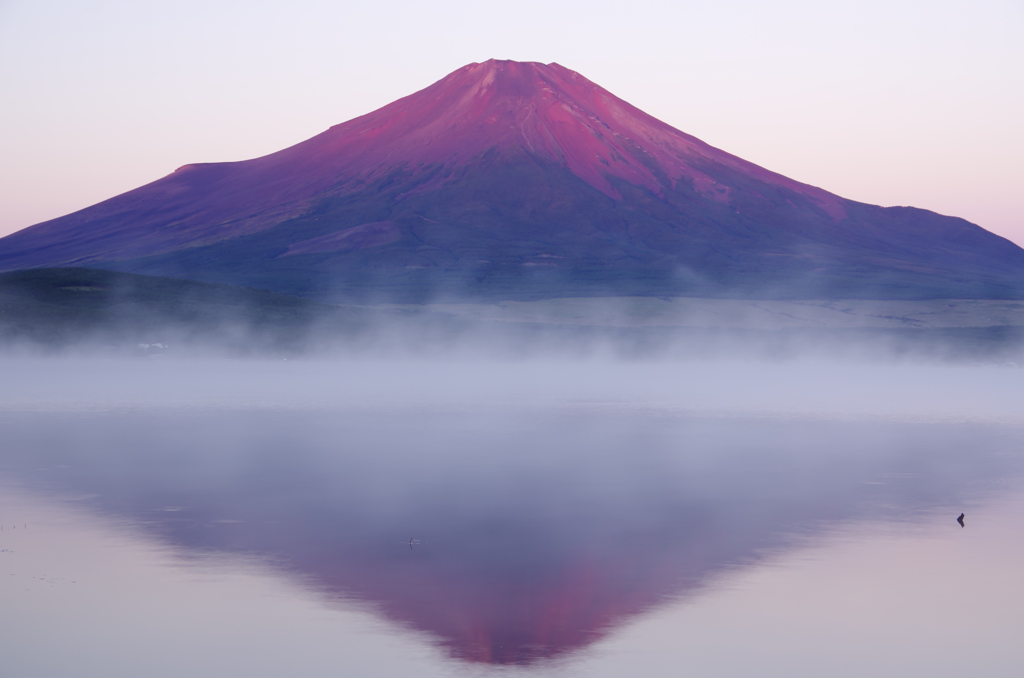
<point>509,180</point>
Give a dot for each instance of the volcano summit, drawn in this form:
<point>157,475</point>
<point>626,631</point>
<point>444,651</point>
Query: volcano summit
<point>510,180</point>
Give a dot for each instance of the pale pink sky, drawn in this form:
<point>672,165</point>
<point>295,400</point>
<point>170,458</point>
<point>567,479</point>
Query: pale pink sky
<point>892,103</point>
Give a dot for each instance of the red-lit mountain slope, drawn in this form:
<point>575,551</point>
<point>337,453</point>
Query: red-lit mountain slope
<point>518,180</point>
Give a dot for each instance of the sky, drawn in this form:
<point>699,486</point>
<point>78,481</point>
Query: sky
<point>886,102</point>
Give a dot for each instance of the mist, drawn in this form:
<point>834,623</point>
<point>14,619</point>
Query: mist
<point>491,485</point>
<point>811,388</point>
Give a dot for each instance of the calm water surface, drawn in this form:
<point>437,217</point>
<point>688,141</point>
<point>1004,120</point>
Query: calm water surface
<point>445,542</point>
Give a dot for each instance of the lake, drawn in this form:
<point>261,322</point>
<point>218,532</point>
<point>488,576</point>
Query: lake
<point>459,518</point>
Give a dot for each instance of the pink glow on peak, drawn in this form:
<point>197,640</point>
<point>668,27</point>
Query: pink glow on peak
<point>547,110</point>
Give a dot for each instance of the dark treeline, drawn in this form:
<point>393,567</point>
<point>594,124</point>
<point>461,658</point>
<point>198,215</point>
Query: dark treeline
<point>61,309</point>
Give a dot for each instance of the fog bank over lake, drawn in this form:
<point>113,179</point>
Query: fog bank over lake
<point>808,388</point>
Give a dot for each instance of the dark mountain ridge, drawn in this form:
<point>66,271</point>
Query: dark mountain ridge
<point>518,181</point>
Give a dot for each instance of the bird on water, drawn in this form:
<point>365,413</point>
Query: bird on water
<point>960,519</point>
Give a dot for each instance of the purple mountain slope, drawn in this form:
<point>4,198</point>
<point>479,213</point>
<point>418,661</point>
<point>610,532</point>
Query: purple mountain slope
<point>518,180</point>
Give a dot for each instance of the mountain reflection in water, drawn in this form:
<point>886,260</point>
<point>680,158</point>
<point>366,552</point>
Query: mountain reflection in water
<point>511,538</point>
